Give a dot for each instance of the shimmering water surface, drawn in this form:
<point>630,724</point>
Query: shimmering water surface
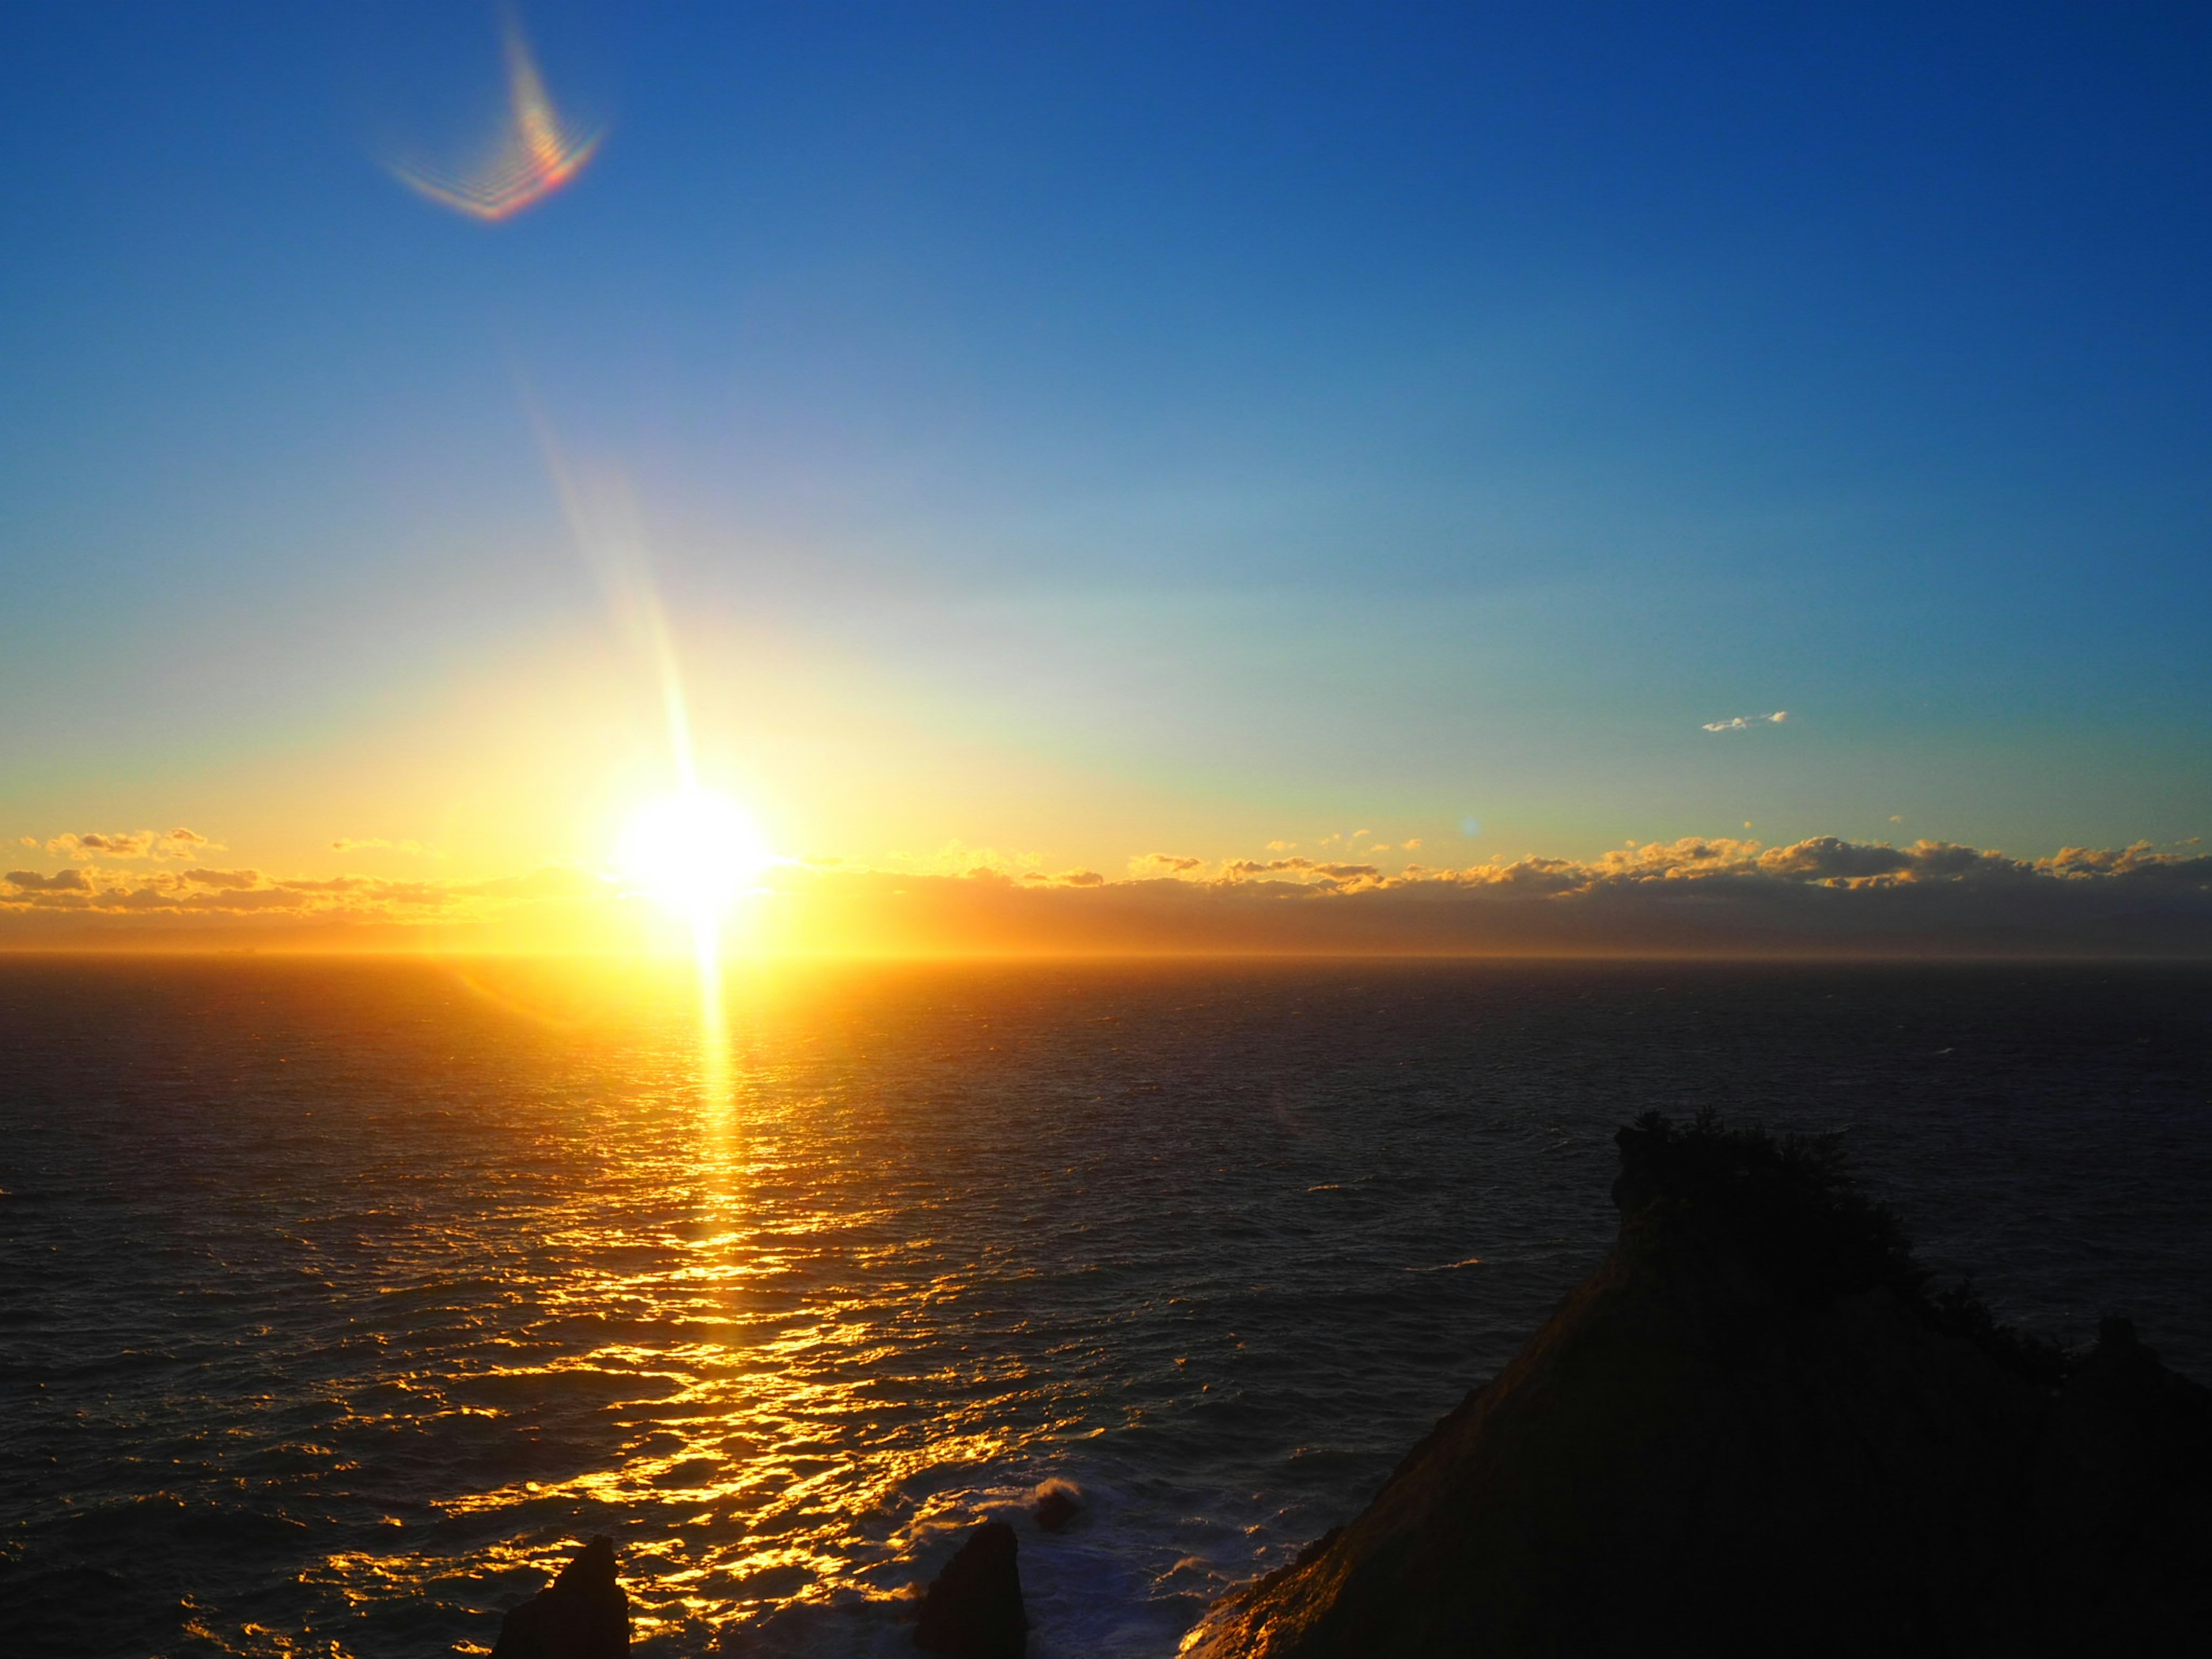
<point>341,1299</point>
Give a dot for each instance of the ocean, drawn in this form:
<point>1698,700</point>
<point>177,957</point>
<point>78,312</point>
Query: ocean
<point>340,1300</point>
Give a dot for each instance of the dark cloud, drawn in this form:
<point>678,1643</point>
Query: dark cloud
<point>1823,858</point>
<point>1698,896</point>
<point>66,881</point>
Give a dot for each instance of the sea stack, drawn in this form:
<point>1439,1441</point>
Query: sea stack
<point>1058,1504</point>
<point>974,1608</point>
<point>1754,1429</point>
<point>582,1614</point>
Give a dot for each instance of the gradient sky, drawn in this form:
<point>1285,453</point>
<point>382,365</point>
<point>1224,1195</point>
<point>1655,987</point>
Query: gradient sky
<point>1087,430</point>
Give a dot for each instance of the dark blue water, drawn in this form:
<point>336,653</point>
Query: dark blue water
<point>341,1300</point>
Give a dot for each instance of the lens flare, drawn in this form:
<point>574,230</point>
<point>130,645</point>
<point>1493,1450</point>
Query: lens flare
<point>695,852</point>
<point>535,153</point>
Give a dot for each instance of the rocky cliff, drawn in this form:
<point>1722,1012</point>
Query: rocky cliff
<point>1757,1429</point>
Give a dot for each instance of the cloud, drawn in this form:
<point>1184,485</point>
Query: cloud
<point>1823,858</point>
<point>1153,866</point>
<point>178,843</point>
<point>184,905</point>
<point>1698,896</point>
<point>1747,722</point>
<point>66,881</point>
<point>229,879</point>
<point>1717,895</point>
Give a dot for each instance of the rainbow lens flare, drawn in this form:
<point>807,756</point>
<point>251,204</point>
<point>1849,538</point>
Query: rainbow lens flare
<point>534,155</point>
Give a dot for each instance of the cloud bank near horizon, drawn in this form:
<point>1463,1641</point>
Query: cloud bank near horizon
<point>1698,896</point>
<point>178,843</point>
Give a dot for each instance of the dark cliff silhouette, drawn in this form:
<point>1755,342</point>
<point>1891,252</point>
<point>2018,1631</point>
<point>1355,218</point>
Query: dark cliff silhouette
<point>1757,1428</point>
<point>582,1614</point>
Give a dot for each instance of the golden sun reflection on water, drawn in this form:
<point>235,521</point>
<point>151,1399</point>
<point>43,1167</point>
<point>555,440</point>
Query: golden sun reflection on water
<point>698,1341</point>
<point>371,1291</point>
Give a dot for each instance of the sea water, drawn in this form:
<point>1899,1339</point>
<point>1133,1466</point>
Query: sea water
<point>339,1301</point>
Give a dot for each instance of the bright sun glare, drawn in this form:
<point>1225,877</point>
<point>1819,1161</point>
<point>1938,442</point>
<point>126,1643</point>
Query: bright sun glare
<point>695,852</point>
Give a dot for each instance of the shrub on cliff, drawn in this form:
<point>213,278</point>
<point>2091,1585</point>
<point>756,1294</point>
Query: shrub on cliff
<point>1793,1207</point>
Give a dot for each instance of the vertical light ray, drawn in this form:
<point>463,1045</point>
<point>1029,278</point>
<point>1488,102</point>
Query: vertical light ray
<point>603,516</point>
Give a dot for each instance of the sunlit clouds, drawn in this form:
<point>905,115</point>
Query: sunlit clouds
<point>1748,722</point>
<point>534,153</point>
<point>1717,895</point>
<point>178,843</point>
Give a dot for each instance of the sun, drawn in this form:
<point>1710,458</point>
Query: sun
<point>695,853</point>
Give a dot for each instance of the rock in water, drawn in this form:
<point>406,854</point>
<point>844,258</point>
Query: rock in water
<point>1058,1503</point>
<point>974,1608</point>
<point>582,1614</point>
<point>1753,1430</point>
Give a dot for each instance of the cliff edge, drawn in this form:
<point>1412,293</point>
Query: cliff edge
<point>1756,1428</point>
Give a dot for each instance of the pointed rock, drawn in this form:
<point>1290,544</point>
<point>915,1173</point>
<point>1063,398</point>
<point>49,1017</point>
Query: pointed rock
<point>974,1608</point>
<point>582,1614</point>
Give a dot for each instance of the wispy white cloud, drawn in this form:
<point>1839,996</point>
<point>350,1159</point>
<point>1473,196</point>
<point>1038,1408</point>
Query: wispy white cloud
<point>1747,722</point>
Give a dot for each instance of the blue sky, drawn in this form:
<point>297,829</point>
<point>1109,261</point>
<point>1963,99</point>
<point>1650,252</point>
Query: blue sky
<point>1092,429</point>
